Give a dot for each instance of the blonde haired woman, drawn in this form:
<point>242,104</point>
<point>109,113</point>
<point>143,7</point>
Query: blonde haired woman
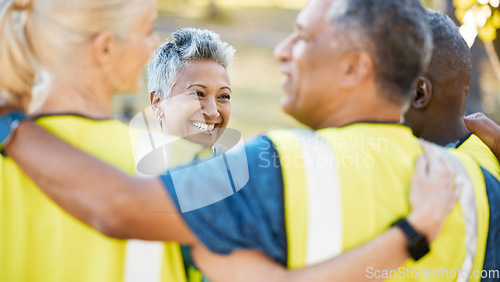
<point>91,50</point>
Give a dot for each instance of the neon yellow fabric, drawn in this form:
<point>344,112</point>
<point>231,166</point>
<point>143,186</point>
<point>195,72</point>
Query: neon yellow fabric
<point>295,193</point>
<point>193,274</point>
<point>477,150</point>
<point>375,165</point>
<point>475,173</point>
<point>41,242</point>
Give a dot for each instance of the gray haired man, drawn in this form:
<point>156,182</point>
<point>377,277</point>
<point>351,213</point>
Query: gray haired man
<point>349,68</point>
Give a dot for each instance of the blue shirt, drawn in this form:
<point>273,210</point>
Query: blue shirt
<point>252,217</point>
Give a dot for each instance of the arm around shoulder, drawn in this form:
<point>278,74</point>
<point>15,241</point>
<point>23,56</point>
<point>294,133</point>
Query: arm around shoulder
<point>94,192</point>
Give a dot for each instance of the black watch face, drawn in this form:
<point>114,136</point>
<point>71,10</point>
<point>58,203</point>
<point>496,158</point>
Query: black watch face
<point>4,130</point>
<point>418,247</point>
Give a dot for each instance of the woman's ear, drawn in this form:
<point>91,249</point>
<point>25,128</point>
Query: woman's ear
<point>422,94</point>
<point>104,47</point>
<point>155,101</point>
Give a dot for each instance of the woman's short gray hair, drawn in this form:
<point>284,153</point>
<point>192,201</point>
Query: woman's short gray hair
<point>188,44</point>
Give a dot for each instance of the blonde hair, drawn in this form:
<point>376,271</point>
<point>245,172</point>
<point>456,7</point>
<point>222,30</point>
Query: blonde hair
<point>49,33</point>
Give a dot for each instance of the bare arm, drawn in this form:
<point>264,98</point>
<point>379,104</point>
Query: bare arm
<point>432,198</point>
<point>486,129</point>
<point>94,192</point>
<point>120,206</point>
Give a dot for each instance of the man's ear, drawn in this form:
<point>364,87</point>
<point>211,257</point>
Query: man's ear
<point>104,47</point>
<point>358,67</point>
<point>422,94</point>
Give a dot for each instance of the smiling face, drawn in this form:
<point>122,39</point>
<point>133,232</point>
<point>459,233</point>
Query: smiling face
<point>199,106</point>
<point>311,60</point>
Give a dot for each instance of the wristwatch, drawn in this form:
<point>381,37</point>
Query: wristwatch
<point>417,245</point>
<point>8,124</point>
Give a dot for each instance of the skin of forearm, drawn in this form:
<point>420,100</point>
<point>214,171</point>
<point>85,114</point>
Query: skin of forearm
<point>386,252</point>
<point>94,192</point>
<point>240,265</point>
<point>119,206</point>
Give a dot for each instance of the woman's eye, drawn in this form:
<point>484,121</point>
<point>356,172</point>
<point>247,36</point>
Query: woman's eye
<point>225,96</point>
<point>198,93</point>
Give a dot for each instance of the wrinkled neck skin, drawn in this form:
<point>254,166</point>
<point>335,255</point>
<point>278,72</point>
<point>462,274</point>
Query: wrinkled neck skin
<point>361,110</point>
<point>90,98</point>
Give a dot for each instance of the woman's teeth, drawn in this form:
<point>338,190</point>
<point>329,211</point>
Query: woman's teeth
<point>204,126</point>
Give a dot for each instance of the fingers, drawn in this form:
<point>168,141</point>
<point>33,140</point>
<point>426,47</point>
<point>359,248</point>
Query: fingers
<point>436,164</point>
<point>486,129</point>
<point>456,193</point>
<point>421,165</point>
<point>455,196</point>
<point>475,116</point>
<point>429,156</point>
<point>432,194</point>
<point>480,124</point>
<point>472,122</point>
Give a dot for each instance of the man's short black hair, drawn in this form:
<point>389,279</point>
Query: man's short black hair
<point>451,64</point>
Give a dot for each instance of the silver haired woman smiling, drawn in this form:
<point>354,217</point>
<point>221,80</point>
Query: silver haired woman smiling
<point>189,86</point>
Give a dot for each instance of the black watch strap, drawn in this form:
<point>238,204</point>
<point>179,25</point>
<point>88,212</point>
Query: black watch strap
<point>417,244</point>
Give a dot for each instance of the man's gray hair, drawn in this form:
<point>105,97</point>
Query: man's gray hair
<point>395,32</point>
<point>188,44</point>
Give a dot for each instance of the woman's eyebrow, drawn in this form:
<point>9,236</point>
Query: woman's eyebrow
<point>199,85</point>
<point>226,87</point>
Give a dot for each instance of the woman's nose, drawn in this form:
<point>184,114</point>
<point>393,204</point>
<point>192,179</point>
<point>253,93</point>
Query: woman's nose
<point>209,109</point>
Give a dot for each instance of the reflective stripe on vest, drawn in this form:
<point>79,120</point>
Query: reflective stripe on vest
<point>143,261</point>
<point>324,217</point>
<point>314,197</point>
<point>468,204</point>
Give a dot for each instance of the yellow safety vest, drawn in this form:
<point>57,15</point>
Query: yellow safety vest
<point>477,150</point>
<point>155,153</point>
<point>41,242</point>
<point>345,186</point>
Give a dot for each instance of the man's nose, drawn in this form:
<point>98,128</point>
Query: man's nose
<point>283,51</point>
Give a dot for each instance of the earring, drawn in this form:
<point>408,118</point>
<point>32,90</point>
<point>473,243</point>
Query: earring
<point>160,120</point>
